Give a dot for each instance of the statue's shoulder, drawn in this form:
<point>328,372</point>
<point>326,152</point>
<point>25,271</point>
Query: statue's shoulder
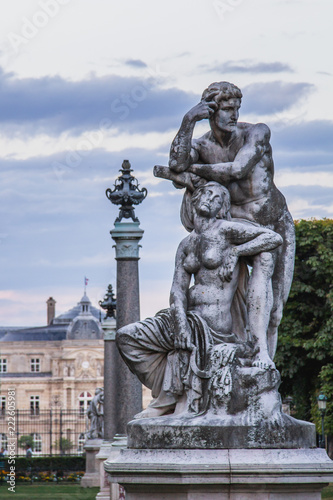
<point>202,141</point>
<point>258,131</point>
<point>185,244</point>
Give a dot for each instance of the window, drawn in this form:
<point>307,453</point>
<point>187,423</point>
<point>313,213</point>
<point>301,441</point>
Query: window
<point>84,400</point>
<point>3,365</point>
<point>34,405</point>
<point>37,447</point>
<point>3,441</point>
<point>2,406</point>
<point>35,365</point>
<point>80,443</point>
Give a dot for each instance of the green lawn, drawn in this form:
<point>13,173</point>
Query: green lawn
<point>48,492</point>
<point>72,491</point>
<point>328,492</point>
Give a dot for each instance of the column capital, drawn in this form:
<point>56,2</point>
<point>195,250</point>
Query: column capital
<point>127,236</point>
<point>109,328</point>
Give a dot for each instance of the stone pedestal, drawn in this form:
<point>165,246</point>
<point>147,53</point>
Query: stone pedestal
<point>224,474</point>
<point>109,491</point>
<point>91,477</point>
<point>104,483</point>
<point>220,431</point>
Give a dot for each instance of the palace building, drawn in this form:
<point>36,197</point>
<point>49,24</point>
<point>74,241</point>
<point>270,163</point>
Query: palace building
<point>56,367</point>
<point>54,371</point>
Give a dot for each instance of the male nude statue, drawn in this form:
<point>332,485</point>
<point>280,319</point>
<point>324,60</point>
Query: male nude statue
<point>239,156</point>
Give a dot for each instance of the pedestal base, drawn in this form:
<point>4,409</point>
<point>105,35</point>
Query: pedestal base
<point>91,477</point>
<point>215,431</point>
<point>104,484</point>
<point>236,474</point>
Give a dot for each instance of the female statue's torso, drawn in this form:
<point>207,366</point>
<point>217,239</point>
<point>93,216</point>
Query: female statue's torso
<point>210,296</point>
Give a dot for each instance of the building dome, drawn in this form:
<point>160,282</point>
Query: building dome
<point>67,317</point>
<point>85,325</point>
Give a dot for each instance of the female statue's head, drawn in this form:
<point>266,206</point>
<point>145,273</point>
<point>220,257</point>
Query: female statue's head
<point>211,200</point>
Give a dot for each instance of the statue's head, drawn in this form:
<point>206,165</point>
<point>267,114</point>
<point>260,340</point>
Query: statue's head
<point>212,200</point>
<point>228,97</point>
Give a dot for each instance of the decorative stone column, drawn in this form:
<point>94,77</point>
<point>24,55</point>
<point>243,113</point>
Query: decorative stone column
<point>107,491</point>
<point>109,328</point>
<point>126,388</point>
<point>123,398</point>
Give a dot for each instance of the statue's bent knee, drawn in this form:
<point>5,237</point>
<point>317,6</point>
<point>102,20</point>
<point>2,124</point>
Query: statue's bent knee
<point>124,332</point>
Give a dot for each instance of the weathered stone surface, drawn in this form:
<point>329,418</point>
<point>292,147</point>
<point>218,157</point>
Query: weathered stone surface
<point>215,432</point>
<point>222,474</point>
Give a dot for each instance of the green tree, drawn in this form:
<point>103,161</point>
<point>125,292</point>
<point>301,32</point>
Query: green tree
<point>305,348</point>
<point>64,444</point>
<point>26,440</point>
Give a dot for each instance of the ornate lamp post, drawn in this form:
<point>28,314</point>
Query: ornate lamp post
<point>322,401</point>
<point>109,303</point>
<point>123,392</point>
<point>126,193</point>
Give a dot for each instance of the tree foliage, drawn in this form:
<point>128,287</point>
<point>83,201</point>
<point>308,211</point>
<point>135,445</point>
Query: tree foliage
<point>305,349</point>
<point>64,444</point>
<point>26,440</point>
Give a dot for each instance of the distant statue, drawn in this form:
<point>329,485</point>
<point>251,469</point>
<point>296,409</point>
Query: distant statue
<point>95,414</point>
<point>239,156</point>
<point>178,349</point>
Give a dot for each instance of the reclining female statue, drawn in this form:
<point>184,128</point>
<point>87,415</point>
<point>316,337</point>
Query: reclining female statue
<point>175,353</point>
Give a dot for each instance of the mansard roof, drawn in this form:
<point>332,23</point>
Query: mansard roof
<point>82,321</point>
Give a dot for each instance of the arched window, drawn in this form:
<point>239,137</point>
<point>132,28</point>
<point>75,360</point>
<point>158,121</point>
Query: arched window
<point>80,442</point>
<point>3,441</point>
<point>84,400</point>
<point>37,448</point>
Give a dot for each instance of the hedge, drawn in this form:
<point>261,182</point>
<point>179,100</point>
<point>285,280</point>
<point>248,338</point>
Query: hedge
<point>67,463</point>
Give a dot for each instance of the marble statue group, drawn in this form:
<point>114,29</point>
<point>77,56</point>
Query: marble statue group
<point>212,351</point>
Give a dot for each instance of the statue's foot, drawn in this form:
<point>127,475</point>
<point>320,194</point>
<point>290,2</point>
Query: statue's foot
<point>264,362</point>
<point>150,412</point>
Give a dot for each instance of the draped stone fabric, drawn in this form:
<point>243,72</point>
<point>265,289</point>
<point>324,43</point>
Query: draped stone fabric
<point>148,349</point>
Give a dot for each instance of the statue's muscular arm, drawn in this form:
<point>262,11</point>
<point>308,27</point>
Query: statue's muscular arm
<point>256,145</point>
<point>246,240</point>
<point>182,155</point>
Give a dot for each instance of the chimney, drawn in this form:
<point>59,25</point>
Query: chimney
<point>50,309</point>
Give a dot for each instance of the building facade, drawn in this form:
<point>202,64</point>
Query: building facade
<point>53,370</point>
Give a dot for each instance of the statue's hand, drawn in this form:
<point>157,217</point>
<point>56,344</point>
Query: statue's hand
<point>183,340</point>
<point>229,263</point>
<point>205,109</point>
<point>247,350</point>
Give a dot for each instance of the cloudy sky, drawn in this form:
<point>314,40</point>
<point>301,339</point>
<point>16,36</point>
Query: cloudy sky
<point>84,85</point>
